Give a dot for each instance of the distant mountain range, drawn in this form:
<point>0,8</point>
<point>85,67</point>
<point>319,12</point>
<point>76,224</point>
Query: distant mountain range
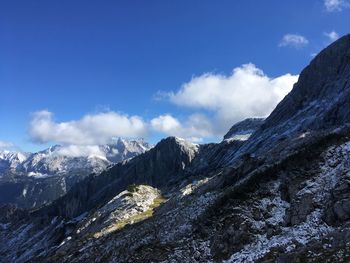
<point>51,172</point>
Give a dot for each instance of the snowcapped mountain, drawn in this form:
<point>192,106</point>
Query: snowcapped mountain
<point>34,179</point>
<point>11,160</point>
<point>72,159</point>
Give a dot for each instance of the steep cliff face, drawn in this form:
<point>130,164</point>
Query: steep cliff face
<point>318,103</point>
<point>158,167</point>
<point>320,97</point>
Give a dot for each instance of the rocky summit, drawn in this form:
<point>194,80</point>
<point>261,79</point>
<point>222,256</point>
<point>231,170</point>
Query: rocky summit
<point>280,195</point>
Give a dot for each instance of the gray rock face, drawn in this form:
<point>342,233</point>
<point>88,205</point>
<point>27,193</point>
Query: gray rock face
<point>210,156</point>
<point>320,97</point>
<point>11,214</point>
<point>158,167</point>
<point>338,207</point>
<point>319,102</point>
<point>33,193</point>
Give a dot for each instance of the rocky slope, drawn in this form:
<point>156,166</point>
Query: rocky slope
<point>158,167</point>
<point>319,102</point>
<point>243,129</point>
<point>280,196</point>
<point>34,179</point>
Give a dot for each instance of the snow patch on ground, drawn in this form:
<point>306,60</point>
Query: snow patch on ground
<point>334,164</point>
<point>38,175</point>
<point>188,189</point>
<point>312,228</point>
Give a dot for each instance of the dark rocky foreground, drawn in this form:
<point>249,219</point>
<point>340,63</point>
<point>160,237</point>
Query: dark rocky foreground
<point>283,195</point>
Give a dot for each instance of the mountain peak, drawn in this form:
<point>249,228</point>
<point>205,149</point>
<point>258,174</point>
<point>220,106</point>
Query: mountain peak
<point>321,86</point>
<point>176,142</point>
<point>319,102</point>
<point>175,139</point>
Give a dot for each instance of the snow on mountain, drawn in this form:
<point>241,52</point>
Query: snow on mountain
<point>64,160</point>
<point>11,160</point>
<point>34,179</point>
<point>242,130</point>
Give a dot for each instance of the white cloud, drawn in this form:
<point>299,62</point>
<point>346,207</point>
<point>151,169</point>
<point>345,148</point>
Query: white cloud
<point>166,124</point>
<point>194,128</point>
<point>81,150</point>
<point>218,101</point>
<point>293,40</point>
<point>7,146</point>
<point>92,129</point>
<point>336,5</point>
<point>247,92</point>
<point>332,36</point>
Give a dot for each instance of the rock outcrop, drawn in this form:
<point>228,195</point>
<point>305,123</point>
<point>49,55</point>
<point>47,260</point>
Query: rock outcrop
<point>244,129</point>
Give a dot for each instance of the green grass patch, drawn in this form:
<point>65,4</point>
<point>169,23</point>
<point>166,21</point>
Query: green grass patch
<point>132,188</point>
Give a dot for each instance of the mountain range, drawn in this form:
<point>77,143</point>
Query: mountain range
<point>34,179</point>
<point>274,190</point>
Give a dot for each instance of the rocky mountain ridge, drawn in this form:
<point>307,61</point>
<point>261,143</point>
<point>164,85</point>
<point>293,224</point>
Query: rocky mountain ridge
<point>70,159</point>
<point>158,167</point>
<point>317,104</point>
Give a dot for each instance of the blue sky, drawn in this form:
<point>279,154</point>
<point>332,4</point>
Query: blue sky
<point>151,68</point>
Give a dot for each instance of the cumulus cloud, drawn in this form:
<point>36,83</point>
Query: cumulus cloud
<point>194,128</point>
<point>217,102</point>
<point>7,146</point>
<point>293,40</point>
<point>247,92</point>
<point>165,123</point>
<point>332,36</point>
<point>336,5</point>
<point>81,150</point>
<point>92,129</point>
